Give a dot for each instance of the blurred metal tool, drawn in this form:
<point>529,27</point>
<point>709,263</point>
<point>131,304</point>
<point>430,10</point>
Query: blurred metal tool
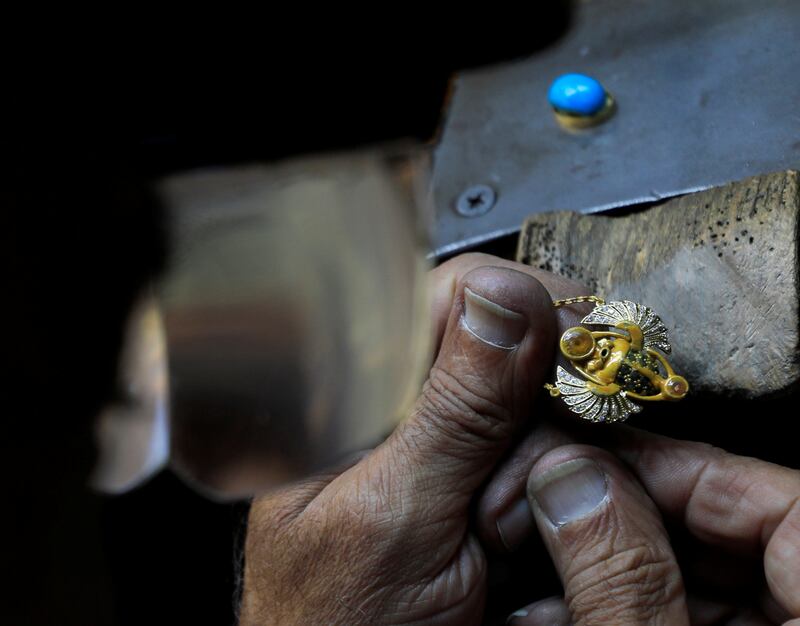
<point>706,94</point>
<point>132,433</point>
<point>294,313</point>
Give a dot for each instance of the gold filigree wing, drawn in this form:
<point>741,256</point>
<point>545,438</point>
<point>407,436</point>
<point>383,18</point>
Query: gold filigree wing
<point>590,406</point>
<point>653,329</point>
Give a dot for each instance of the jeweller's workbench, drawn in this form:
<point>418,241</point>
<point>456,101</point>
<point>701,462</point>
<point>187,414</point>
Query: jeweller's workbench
<point>718,266</point>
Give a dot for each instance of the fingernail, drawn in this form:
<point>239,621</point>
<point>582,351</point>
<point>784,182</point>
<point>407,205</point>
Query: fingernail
<point>515,524</point>
<point>491,322</point>
<point>569,491</point>
<point>550,611</point>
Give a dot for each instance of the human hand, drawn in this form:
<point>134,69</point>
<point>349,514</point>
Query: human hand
<point>734,521</point>
<point>386,540</point>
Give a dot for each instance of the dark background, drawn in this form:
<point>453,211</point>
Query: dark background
<point>86,125</point>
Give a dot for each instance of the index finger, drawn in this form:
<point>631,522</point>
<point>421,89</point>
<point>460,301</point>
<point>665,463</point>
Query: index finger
<point>739,503</point>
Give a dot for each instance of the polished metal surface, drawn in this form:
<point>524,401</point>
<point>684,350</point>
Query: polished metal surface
<point>707,93</point>
<point>294,313</point>
<point>132,433</point>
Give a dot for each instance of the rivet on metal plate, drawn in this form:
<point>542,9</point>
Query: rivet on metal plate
<point>475,201</point>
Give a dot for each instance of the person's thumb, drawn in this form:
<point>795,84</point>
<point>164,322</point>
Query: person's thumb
<point>606,539</point>
<point>496,352</point>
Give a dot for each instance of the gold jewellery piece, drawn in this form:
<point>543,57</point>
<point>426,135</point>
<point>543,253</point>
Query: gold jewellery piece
<point>619,366</point>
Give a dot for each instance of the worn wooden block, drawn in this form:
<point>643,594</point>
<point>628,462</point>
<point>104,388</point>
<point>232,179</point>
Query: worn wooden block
<point>719,266</point>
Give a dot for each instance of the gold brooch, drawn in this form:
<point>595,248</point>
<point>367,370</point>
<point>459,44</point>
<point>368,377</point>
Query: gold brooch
<point>618,366</point>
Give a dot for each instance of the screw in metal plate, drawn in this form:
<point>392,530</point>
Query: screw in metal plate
<point>476,200</point>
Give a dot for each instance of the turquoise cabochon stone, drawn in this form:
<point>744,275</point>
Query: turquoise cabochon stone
<point>577,94</point>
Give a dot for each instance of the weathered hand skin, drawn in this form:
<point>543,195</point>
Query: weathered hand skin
<point>386,540</point>
<point>738,562</point>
